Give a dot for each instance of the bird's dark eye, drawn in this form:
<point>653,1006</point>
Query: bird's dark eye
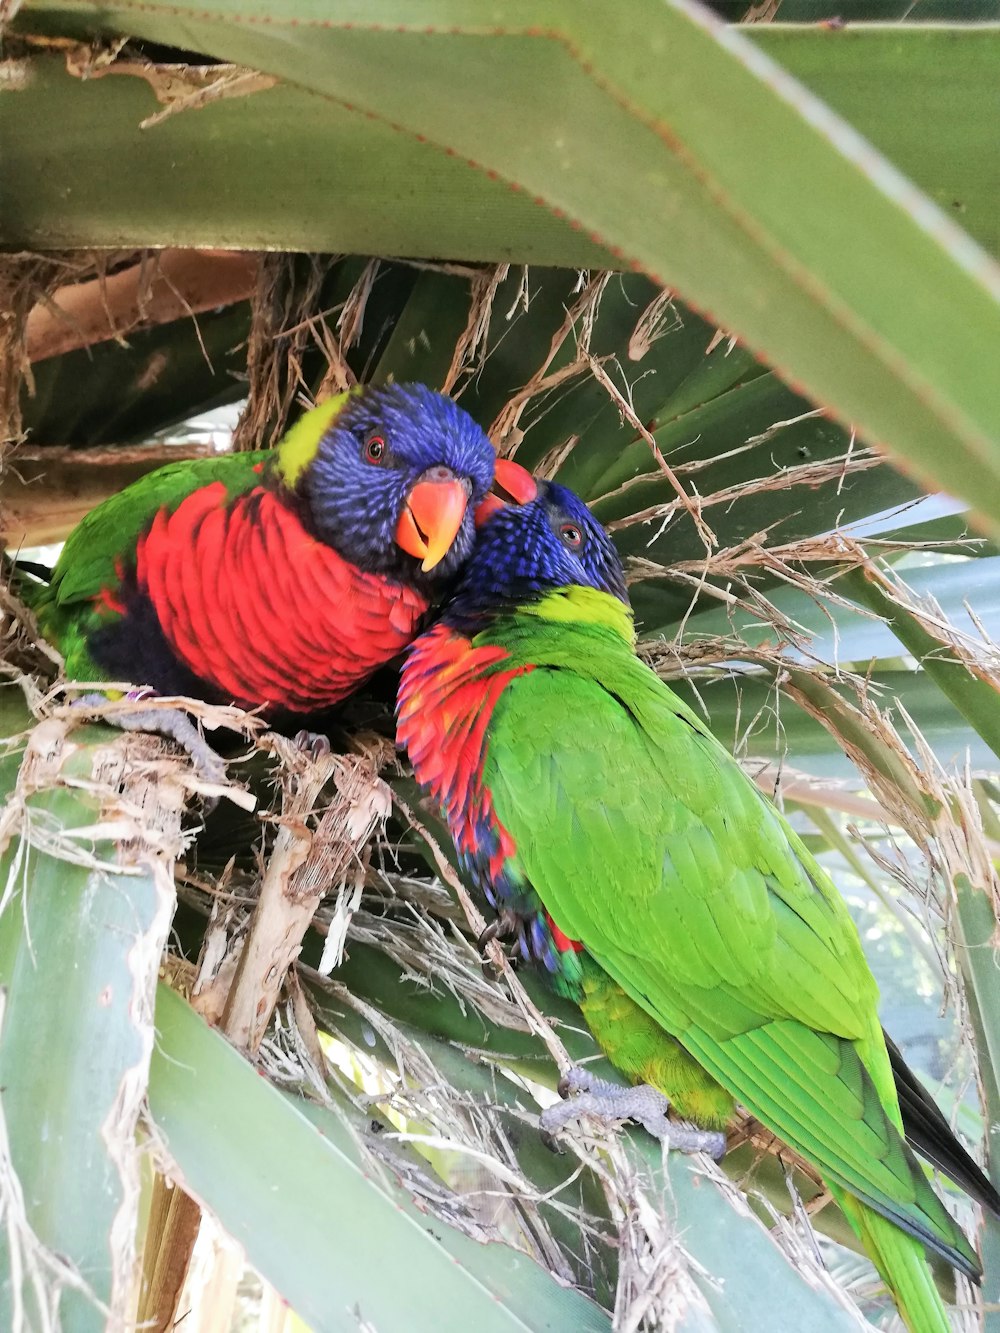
<point>571,535</point>
<point>375,449</point>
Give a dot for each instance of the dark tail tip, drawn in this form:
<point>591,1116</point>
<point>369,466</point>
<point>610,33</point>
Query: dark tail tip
<point>929,1134</point>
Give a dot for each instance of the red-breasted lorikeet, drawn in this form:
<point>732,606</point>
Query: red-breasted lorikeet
<point>711,954</point>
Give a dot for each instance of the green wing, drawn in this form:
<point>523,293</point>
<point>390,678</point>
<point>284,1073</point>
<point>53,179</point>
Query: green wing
<point>94,547</point>
<point>645,841</point>
<point>109,533</point>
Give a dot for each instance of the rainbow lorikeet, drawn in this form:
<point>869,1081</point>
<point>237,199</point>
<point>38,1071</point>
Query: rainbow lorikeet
<point>710,953</point>
<point>280,578</point>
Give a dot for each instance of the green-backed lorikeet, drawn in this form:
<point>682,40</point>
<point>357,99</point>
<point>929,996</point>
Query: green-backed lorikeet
<point>281,578</point>
<point>711,954</point>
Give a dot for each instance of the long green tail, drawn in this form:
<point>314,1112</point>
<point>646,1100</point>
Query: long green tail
<point>902,1265</point>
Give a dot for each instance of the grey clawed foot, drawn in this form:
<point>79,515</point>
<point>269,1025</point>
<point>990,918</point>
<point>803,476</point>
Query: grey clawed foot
<point>313,743</point>
<point>169,722</point>
<point>586,1094</point>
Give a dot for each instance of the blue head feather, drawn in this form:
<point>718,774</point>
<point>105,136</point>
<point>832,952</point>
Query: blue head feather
<point>524,551</point>
<point>354,504</point>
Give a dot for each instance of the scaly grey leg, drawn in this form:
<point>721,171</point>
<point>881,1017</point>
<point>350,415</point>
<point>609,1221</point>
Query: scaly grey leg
<point>587,1094</point>
<point>173,724</point>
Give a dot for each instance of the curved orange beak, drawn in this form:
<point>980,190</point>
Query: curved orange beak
<point>432,515</point>
<point>511,477</point>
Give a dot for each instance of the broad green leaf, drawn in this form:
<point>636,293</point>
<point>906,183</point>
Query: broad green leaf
<point>424,333</point>
<point>747,1270</point>
<point>314,1216</point>
<point>912,11</point>
<point>972,687</point>
<point>908,92</point>
<point>458,1038</point>
<point>113,394</point>
<point>82,929</point>
<point>836,634</point>
<point>737,704</point>
<point>679,148</point>
<point>347,183</point>
<point>976,921</point>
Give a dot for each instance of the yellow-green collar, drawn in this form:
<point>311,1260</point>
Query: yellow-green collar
<point>588,606</point>
<point>298,448</point>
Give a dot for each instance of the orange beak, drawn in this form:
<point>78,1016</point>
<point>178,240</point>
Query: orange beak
<point>511,477</point>
<point>432,515</point>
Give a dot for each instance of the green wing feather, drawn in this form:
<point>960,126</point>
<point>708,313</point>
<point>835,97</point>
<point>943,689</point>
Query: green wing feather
<point>110,532</point>
<point>645,841</point>
<point>89,560</point>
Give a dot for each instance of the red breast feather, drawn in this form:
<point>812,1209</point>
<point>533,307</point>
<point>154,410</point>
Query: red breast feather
<point>255,605</point>
<point>447,694</point>
<point>448,691</point>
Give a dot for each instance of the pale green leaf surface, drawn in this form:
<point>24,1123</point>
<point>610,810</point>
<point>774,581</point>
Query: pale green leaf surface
<point>79,952</point>
<point>314,1218</point>
<point>837,634</point>
<point>973,692</point>
<point>732,703</point>
<point>282,169</point>
<point>443,1029</point>
<point>975,926</point>
<point>926,96</point>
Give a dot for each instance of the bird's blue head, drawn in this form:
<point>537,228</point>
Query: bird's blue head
<point>549,539</point>
<point>391,477</point>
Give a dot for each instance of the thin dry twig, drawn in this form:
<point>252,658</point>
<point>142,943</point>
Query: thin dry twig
<point>472,345</point>
<point>304,866</point>
<point>692,504</point>
<point>811,475</point>
<point>505,432</point>
<point>659,318</point>
<point>537,1023</point>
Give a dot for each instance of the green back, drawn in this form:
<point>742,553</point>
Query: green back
<point>108,535</point>
<point>645,840</point>
<point>111,531</point>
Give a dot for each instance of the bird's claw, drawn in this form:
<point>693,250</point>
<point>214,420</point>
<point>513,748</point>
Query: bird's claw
<point>169,722</point>
<point>585,1093</point>
<point>503,925</point>
<point>488,935</point>
<point>493,971</point>
<point>316,745</point>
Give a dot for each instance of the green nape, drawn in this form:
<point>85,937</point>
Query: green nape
<point>577,605</point>
<point>298,447</point>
